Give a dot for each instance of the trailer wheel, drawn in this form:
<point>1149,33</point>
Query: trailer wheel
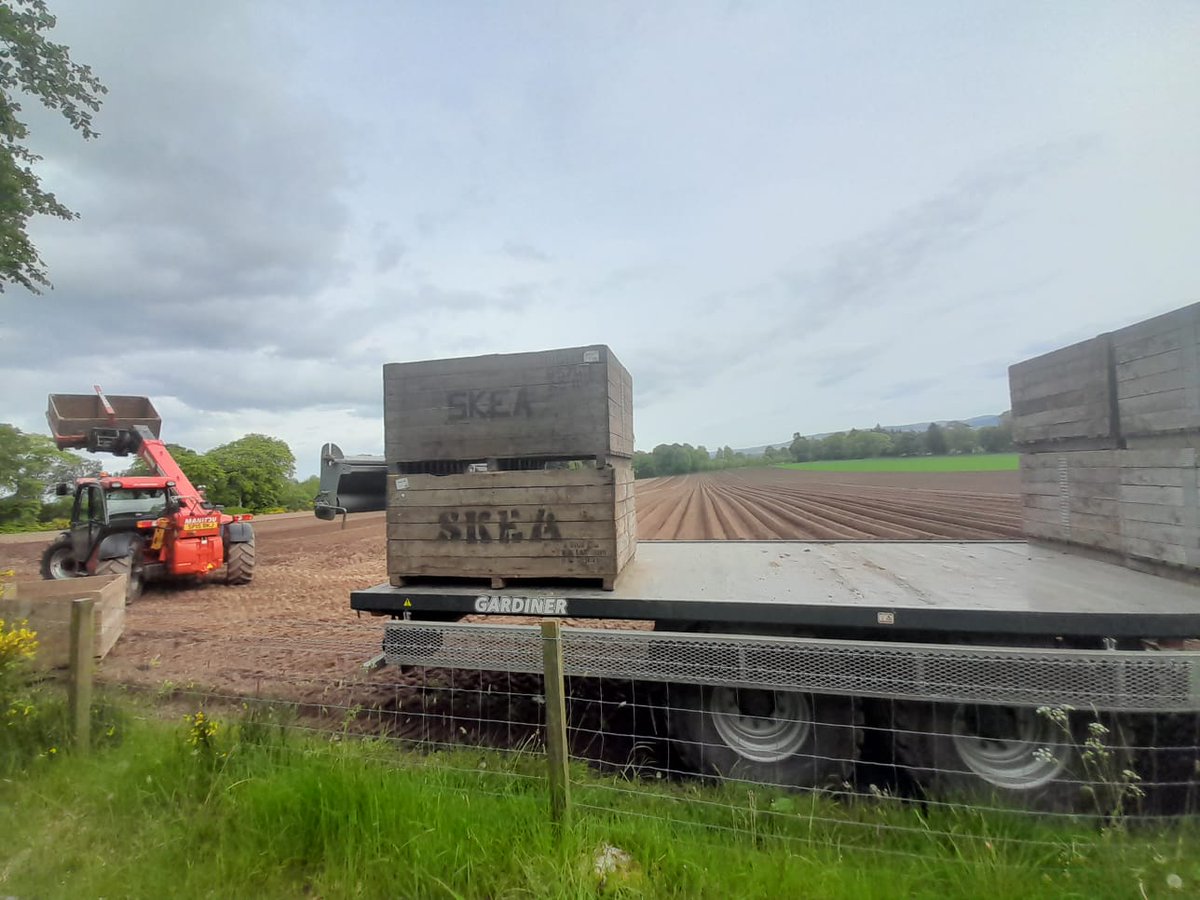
<point>1011,755</point>
<point>129,565</point>
<point>239,568</point>
<point>785,738</point>
<point>58,561</point>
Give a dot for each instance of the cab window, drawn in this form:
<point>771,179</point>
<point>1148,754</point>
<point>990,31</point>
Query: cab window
<point>138,502</point>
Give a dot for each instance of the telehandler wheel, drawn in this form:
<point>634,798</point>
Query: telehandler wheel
<point>58,562</point>
<point>129,565</point>
<point>784,738</point>
<point>239,568</point>
<point>1016,757</point>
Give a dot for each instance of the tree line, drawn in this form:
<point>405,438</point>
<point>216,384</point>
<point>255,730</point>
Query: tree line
<point>937,440</point>
<point>255,473</point>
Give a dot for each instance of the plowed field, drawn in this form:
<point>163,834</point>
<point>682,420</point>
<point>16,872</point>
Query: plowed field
<point>762,504</point>
<point>291,633</point>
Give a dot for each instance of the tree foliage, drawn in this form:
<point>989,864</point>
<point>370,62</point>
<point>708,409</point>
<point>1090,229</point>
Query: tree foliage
<point>30,465</point>
<point>33,66</point>
<point>936,440</point>
<point>259,469</point>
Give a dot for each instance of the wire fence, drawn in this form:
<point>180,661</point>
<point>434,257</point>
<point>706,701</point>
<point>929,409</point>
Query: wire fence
<point>693,739</point>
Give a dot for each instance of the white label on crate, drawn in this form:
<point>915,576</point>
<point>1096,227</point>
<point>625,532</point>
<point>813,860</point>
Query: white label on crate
<point>521,606</point>
<point>402,484</point>
<point>886,618</point>
<point>591,356</point>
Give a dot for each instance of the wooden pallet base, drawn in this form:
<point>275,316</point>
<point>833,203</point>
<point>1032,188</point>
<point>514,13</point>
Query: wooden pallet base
<point>500,582</point>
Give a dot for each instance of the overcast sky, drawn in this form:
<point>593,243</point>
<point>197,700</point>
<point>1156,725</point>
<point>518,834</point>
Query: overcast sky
<point>781,217</point>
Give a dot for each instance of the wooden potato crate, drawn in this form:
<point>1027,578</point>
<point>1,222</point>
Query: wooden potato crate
<point>1143,504</point>
<point>503,526</point>
<point>46,608</point>
<point>1065,398</point>
<point>1157,374</point>
<point>1072,496</point>
<point>565,404</point>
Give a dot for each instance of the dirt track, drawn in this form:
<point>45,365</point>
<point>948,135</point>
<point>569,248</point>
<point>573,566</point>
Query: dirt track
<point>291,633</point>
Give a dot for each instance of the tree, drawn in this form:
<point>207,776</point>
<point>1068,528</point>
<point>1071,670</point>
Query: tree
<point>33,65</point>
<point>906,443</point>
<point>935,440</point>
<point>801,448</point>
<point>644,464</point>
<point>29,465</point>
<point>259,469</point>
<point>996,439</point>
<point>961,438</point>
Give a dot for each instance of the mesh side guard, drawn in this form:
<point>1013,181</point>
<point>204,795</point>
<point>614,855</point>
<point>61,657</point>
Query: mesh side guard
<point>1118,681</point>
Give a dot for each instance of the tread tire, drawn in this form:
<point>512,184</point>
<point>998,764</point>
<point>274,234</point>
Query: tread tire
<point>58,561</point>
<point>925,748</point>
<point>825,758</point>
<point>128,565</point>
<point>239,568</point>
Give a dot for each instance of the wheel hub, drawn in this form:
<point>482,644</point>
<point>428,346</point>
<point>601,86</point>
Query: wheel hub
<point>62,565</point>
<point>763,726</point>
<point>1009,747</point>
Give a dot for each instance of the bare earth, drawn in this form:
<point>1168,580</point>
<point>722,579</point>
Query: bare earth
<point>291,634</point>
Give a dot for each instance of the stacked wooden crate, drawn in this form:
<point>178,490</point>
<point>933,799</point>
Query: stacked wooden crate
<point>1109,431</point>
<point>514,466</point>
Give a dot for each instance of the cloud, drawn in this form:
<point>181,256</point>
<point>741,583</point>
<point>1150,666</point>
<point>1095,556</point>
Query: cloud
<point>524,252</point>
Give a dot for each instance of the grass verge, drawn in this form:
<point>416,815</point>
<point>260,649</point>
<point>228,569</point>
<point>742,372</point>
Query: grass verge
<point>252,809</point>
<point>974,462</point>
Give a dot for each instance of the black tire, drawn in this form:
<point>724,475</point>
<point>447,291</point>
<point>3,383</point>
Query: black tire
<point>58,561</point>
<point>129,565</point>
<point>239,567</point>
<point>784,738</point>
<point>1009,757</point>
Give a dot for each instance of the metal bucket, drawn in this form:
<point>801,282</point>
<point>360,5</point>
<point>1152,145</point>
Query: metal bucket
<point>350,484</point>
<point>73,416</point>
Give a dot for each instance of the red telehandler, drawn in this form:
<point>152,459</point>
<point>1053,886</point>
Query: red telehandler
<point>155,527</point>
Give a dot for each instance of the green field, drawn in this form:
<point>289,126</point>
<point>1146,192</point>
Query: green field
<point>975,462</point>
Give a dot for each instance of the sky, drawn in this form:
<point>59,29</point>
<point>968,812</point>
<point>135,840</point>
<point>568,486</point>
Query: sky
<point>782,217</point>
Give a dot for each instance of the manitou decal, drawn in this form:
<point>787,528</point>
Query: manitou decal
<point>521,606</point>
<point>481,526</point>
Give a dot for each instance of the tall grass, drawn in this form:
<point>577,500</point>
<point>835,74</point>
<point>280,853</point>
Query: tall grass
<point>972,462</point>
<point>252,809</point>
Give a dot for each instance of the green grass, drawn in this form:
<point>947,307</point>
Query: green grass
<point>258,811</point>
<point>975,462</point>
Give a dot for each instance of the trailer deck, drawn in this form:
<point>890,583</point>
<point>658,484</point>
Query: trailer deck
<point>872,587</point>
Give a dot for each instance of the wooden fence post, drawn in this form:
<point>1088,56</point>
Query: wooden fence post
<point>79,680</point>
<point>556,723</point>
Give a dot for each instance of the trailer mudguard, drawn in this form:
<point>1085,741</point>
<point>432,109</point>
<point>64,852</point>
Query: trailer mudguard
<point>114,546</point>
<point>237,533</point>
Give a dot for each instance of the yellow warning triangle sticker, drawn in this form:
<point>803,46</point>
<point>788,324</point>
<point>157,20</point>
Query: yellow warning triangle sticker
<point>407,604</point>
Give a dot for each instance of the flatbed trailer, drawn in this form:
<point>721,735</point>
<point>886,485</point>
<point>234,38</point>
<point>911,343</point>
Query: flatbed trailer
<point>777,657</point>
<point>898,590</point>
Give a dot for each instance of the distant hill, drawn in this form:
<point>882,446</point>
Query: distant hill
<point>975,422</point>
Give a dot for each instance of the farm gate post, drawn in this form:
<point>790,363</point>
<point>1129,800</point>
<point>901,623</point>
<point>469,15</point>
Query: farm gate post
<point>556,723</point>
<point>79,676</point>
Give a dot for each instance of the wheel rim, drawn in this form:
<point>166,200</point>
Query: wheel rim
<point>763,726</point>
<point>1001,745</point>
<point>62,565</point>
